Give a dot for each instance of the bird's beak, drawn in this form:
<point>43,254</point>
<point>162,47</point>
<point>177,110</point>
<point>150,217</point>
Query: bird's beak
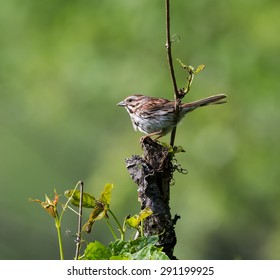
<point>122,103</point>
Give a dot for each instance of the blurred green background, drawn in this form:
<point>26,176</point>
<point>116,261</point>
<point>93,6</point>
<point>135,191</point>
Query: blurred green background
<point>63,67</point>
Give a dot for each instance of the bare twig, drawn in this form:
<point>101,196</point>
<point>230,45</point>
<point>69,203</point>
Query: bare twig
<point>78,240</point>
<point>171,68</point>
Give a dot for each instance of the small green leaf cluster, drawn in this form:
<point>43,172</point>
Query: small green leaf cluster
<point>191,73</point>
<point>142,248</point>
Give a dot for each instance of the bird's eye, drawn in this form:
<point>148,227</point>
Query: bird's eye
<point>129,99</point>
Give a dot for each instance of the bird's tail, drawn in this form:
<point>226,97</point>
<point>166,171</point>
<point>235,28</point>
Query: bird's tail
<point>215,99</point>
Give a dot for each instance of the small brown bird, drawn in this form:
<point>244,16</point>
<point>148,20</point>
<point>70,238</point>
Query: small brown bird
<point>156,116</point>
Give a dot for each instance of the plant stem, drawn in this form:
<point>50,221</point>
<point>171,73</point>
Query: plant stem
<point>58,220</point>
<point>141,229</point>
<point>110,227</point>
<point>169,52</point>
<point>57,225</point>
<point>78,244</point>
<point>118,223</point>
<point>171,68</point>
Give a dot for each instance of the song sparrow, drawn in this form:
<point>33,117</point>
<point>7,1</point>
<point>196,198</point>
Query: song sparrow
<point>156,116</point>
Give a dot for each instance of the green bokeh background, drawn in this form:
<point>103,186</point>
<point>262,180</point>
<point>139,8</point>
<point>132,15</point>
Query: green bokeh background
<point>63,67</point>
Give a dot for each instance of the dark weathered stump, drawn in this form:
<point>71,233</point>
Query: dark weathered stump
<point>153,173</point>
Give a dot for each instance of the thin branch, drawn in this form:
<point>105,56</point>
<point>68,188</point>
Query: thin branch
<point>171,68</point>
<point>78,240</point>
<point>169,52</point>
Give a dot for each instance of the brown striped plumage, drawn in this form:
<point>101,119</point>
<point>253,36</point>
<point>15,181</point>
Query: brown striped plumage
<point>156,116</point>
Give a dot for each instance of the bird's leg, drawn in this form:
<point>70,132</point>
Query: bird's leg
<point>159,133</point>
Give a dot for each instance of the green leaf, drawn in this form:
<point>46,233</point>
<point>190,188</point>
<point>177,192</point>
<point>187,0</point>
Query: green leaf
<point>89,201</point>
<point>106,194</point>
<point>178,149</point>
<point>143,248</point>
<point>98,213</point>
<point>146,249</point>
<point>145,213</point>
<point>173,150</point>
<point>121,257</point>
<point>159,255</point>
<point>141,242</point>
<point>145,253</point>
<point>96,251</point>
<point>199,68</point>
<point>135,220</point>
<point>119,247</point>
